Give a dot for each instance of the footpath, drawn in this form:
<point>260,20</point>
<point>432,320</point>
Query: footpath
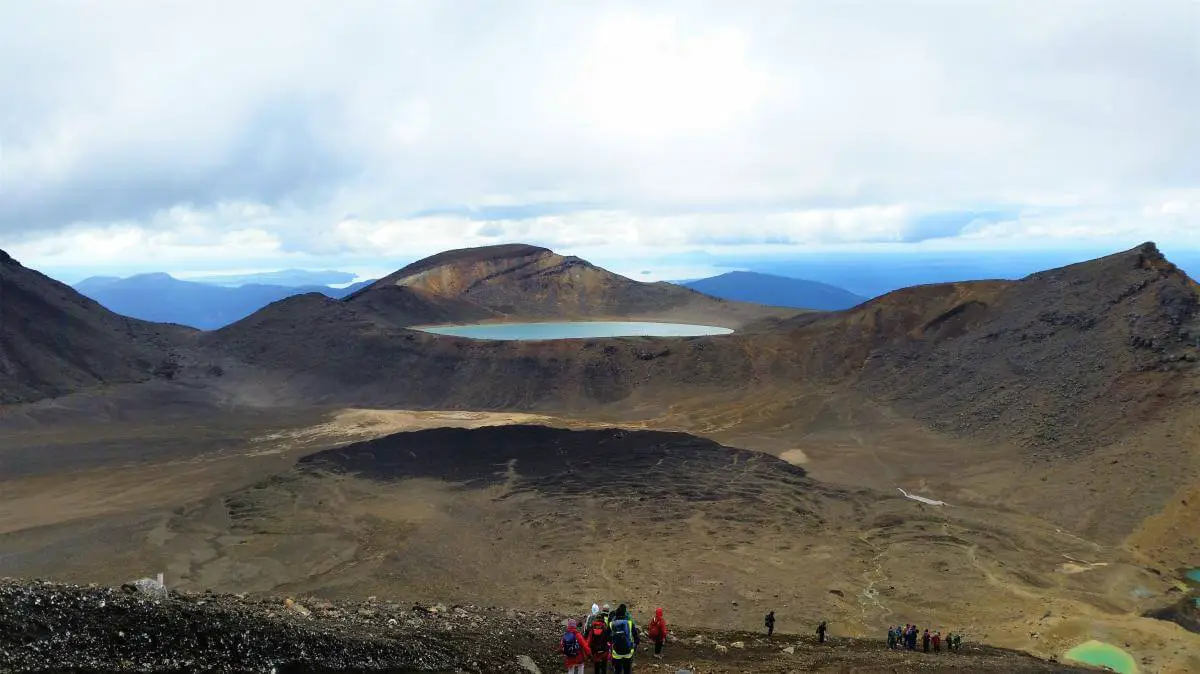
<point>54,627</point>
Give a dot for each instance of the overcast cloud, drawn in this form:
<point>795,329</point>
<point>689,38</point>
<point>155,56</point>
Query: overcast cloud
<point>204,135</point>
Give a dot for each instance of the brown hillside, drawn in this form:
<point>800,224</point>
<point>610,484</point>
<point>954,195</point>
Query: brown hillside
<point>54,341</point>
<point>337,353</point>
<point>527,282</point>
<point>1054,361</point>
<point>401,306</point>
<point>1073,367</point>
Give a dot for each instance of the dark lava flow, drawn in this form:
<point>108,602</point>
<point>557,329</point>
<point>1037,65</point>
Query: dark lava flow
<point>558,461</point>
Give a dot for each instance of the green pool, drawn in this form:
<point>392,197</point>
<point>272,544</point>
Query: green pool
<point>1101,654</point>
<point>1193,575</point>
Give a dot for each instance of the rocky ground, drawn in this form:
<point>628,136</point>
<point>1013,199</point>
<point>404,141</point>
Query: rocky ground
<point>47,626</point>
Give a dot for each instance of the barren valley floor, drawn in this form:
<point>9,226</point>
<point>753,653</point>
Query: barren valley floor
<point>513,510</point>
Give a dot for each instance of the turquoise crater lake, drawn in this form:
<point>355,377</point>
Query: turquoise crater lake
<point>574,330</point>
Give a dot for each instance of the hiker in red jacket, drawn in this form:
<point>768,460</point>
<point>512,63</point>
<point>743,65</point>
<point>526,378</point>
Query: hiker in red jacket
<point>657,631</point>
<point>574,648</point>
<point>600,644</point>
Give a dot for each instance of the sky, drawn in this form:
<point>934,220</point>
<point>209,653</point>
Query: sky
<point>658,137</point>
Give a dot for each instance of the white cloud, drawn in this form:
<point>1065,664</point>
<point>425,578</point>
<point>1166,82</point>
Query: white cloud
<point>160,131</point>
<point>651,78</point>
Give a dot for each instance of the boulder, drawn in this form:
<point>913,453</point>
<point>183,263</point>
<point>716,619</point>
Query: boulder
<point>296,607</point>
<point>526,663</point>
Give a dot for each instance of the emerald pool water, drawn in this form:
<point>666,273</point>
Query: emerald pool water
<point>1103,655</point>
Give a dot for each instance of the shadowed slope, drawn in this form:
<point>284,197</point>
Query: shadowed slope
<point>352,357</point>
<point>1054,360</point>
<point>54,340</point>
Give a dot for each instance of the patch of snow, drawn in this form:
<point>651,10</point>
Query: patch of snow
<point>922,499</point>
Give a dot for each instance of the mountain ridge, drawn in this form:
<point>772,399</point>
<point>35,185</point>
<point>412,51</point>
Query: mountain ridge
<point>54,341</point>
<point>526,282</point>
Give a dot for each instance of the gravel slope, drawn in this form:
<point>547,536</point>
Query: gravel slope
<point>47,626</point>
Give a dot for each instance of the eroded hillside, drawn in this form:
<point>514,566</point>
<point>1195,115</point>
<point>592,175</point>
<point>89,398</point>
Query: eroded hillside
<point>54,341</point>
<point>527,282</point>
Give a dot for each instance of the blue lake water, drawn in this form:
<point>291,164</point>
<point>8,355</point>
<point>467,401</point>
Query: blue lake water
<point>1194,575</point>
<point>575,330</point>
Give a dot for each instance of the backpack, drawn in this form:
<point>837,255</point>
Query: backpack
<point>598,639</point>
<point>656,629</point>
<point>570,645</point>
<point>622,636</point>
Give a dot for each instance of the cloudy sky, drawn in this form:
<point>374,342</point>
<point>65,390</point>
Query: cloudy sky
<point>199,136</point>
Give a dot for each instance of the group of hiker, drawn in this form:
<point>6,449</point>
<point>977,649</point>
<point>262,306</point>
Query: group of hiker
<point>907,636</point>
<point>606,636</point>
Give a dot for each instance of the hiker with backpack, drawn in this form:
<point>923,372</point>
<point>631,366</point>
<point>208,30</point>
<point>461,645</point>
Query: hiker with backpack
<point>583,624</point>
<point>658,631</point>
<point>625,639</point>
<point>769,621</point>
<point>599,641</point>
<point>821,632</point>
<point>574,649</point>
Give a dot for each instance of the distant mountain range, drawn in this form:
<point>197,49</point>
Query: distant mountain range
<point>162,298</point>
<point>210,303</point>
<point>292,278</point>
<point>778,291</point>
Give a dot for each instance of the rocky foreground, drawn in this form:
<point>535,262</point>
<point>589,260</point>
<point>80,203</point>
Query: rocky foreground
<point>47,626</point>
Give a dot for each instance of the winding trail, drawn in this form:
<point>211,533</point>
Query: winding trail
<point>869,596</point>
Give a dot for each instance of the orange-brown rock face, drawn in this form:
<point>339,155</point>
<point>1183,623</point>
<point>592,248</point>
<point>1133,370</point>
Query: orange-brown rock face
<point>527,282</point>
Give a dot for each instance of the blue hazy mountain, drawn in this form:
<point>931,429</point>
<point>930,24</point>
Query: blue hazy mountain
<point>779,291</point>
<point>283,277</point>
<point>163,298</point>
<point>95,282</point>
